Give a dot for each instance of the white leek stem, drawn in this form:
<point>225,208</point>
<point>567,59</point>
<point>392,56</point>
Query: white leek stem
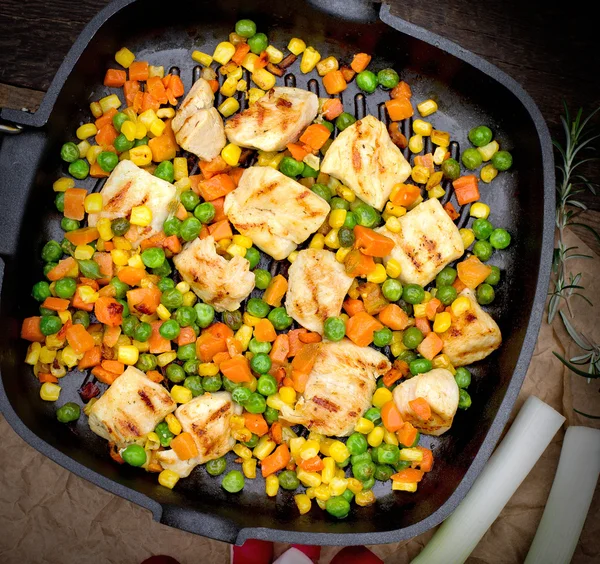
<point>569,499</point>
<point>528,437</point>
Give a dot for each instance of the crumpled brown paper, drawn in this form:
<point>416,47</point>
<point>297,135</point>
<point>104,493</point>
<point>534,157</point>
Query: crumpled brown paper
<point>48,515</point>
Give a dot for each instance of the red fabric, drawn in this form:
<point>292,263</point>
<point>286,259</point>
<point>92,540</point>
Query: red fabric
<point>313,552</point>
<point>253,552</point>
<point>356,555</point>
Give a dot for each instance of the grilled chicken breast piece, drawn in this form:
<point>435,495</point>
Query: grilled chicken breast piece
<point>206,418</point>
<point>197,125</point>
<point>339,388</point>
<point>364,158</point>
<point>472,335</point>
<point>317,285</point>
<point>274,120</point>
<point>130,409</point>
<point>440,390</point>
<point>215,280</point>
<point>428,241</point>
<point>129,186</point>
<point>276,212</point>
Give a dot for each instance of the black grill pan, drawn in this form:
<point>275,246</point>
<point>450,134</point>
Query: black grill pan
<point>469,92</point>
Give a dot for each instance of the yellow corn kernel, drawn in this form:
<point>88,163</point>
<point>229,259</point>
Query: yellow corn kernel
<point>181,394</point>
<point>338,486</point>
<point>329,468</point>
<point>332,240</point>
<point>378,276</point>
<point>242,435</point>
<point>242,240</point>
<point>288,434</point>
<point>442,322</point>
<point>87,294</point>
<point>242,451</point>
<point>173,424</point>
<point>131,114</point>
<point>489,150</point>
<point>317,242</point>
<point>268,158</point>
<point>231,154</point>
<point>70,357</point>
<point>272,485</point>
<point>287,395</point>
<point>339,451</point>
<point>396,211</point>
<point>83,148</point>
<point>47,356</point>
<point>50,391</point>
<point>183,287</point>
<point>393,268</point>
<point>293,256</point>
<point>479,210</point>
<point>404,486</point>
<point>420,311</point>
<point>152,441</point>
<point>148,318</point>
<point>345,193</point>
<point>275,55</point>
<point>128,130</point>
<point>393,225</point>
<point>309,449</point>
<point>296,46</point>
<point>183,184</point>
<point>264,447</point>
<point>140,156</point>
<point>157,127</point>
<point>86,130</point>
<point>63,184</point>
<point>237,422</point>
<point>303,503</point>
<point>249,62</point>
<point>124,57</point>
<point>327,65</point>
<point>312,161</point>
<point>390,438</point>
<point>202,58</point>
<point>128,355</point>
<point>436,192</point>
<point>434,179</point>
<point>142,347</point>
<point>381,397</point>
<point>208,369</point>
<point>140,130</point>
<point>488,173</point>
<point>168,479</point>
<point>460,305</point>
<point>421,127</point>
<point>439,155</point>
<point>375,437</point>
<point>322,492</point>
<point>141,215</point>
<point>309,479</point>
<point>123,341</point>
<point>244,336</point>
<point>354,485</point>
<point>322,504</point>
<point>411,454</point>
<point>242,86</point>
<point>163,312</point>
<point>337,218</point>
<point>93,203</point>
<point>295,445</point>
<point>342,253</point>
<point>223,52</point>
<point>467,236</point>
<point>310,58</point>
<point>249,468</point>
<point>96,110</point>
<point>33,353</point>
<point>440,138</point>
<point>427,107</point>
<point>443,361</point>
<point>158,71</point>
<point>229,87</point>
<point>364,498</point>
<point>164,358</point>
<point>109,102</point>
<point>364,426</point>
<point>147,118</point>
<point>250,319</point>
<point>92,154</point>
<point>263,79</point>
<point>83,252</point>
<point>420,174</point>
<point>228,107</point>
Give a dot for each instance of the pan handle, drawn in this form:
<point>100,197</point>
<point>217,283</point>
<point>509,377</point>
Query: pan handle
<point>362,11</point>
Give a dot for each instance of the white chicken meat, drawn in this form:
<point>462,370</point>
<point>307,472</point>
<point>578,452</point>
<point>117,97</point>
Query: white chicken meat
<point>207,419</point>
<point>197,125</point>
<point>472,336</point>
<point>339,388</point>
<point>439,389</point>
<point>427,241</point>
<point>129,186</point>
<point>130,409</point>
<point>364,158</point>
<point>276,212</point>
<point>222,283</point>
<point>317,285</point>
<point>275,120</point>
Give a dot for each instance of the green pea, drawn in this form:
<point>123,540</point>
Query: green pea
<point>483,250</point>
<point>118,120</point>
<point>338,203</point>
<point>485,294</point>
<point>122,144</point>
<point>172,226</point>
<point>262,278</point>
<point>362,457</point>
<point>154,257</point>
<point>41,291</point>
<point>142,332</point>
<point>502,160</point>
<point>288,480</point>
<point>128,326</point>
<point>413,294</point>
<point>212,383</point>
<point>261,363</point>
<point>69,152</point>
<point>256,403</point>
<point>141,142</point>
<point>204,212</point>
<point>217,466</point>
<point>65,288</point>
<point>482,229</point>
<point>271,415</point>
<point>59,201</point>
<point>189,200</point>
<point>388,78</point>
<point>471,158</point>
<point>241,395</point>
<point>291,167</point>
<point>233,481</point>
<point>392,289</point>
<point>146,362</point>
<point>462,377</point>
<point>245,28</point>
<point>363,470</point>
<point>120,226</point>
<point>446,294</point>
<point>322,190</point>
<point>309,172</point>
<point>256,347</point>
<point>48,267</point>
<point>500,239</point>
<point>258,43</point>
<point>107,161</point>
<point>464,399</point>
<point>267,385</point>
<point>344,120</point>
<point>50,324</point>
<point>68,412</point>
<point>408,356</point>
<point>186,316</point>
<point>205,314</point>
<point>79,169</point>
<point>134,455</point>
<point>388,454</point>
<point>190,229</point>
<point>366,216</point>
<point>338,507</point>
<point>82,318</point>
<point>194,384</point>
<point>373,414</point>
<point>165,171</point>
<point>253,257</point>
<point>121,288</point>
<point>165,284</point>
<point>191,367</point>
<point>346,237</point>
<point>67,247</point>
<point>69,224</point>
<point>402,465</point>
<point>175,373</point>
<point>163,270</point>
<point>257,307</point>
<point>420,366</point>
<point>343,463</point>
<point>164,435</point>
<point>328,125</point>
<point>494,276</point>
<point>252,442</point>
<point>383,337</point>
<point>348,495</point>
<point>451,169</point>
<point>383,472</point>
<point>279,318</point>
<point>366,81</point>
<point>172,298</point>
<point>357,443</point>
<point>334,328</point>
<point>170,329</point>
<point>445,277</point>
<point>125,306</point>
<point>480,135</point>
<point>412,338</point>
<point>229,386</point>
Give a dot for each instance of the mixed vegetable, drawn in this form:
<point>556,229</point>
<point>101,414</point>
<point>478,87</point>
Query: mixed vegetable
<point>113,297</point>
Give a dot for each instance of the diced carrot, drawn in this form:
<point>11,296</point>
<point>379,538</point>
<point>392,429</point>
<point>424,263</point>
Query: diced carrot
<point>407,434</point>
<point>138,70</point>
<point>256,423</point>
<point>130,89</point>
<point>62,333</point>
<point>131,275</point>
<point>275,291</point>
<point>221,357</point>
<point>30,330</point>
<point>208,345</point>
<point>314,464</point>
<point>394,317</point>
<point>45,377</point>
<point>347,73</point>
<point>392,376</point>
<point>90,358</point>
<point>96,171</point>
<point>113,366</point>
<point>280,349</point>
<point>219,204</point>
<point>79,339</point>
<point>310,337</point>
<point>156,88</point>
<point>360,328</point>
<point>56,304</point>
<point>157,343</point>
<point>219,330</point>
<point>104,262</point>
<point>332,108</point>
<point>173,244</point>
<point>421,408</point>
<point>295,343</point>
<point>215,187</point>
<point>422,323</point>
<point>187,336</point>
<point>358,264</point>
<point>108,311</point>
<point>212,168</point>
<point>276,461</point>
<point>220,230</point>
<point>425,160</point>
<point>164,147</point>
<point>264,331</point>
<point>204,232</point>
<point>156,240</point>
<point>111,336</point>
<point>286,380</point>
<point>401,90</point>
<point>214,85</point>
<point>241,50</point>
<point>391,417</point>
<point>472,272</point>
<point>298,151</point>
<point>234,347</point>
<point>137,101</point>
<point>106,135</point>
<point>466,189</point>
<point>451,211</point>
<point>430,346</point>
<point>398,138</point>
<point>371,243</point>
<point>236,174</point>
<point>181,213</point>
<point>459,285</point>
<point>236,369</point>
<point>334,82</point>
<point>360,62</point>
<point>63,269</point>
<point>149,103</point>
<point>89,282</point>
<point>144,300</point>
<point>78,303</point>
<point>184,446</point>
<point>305,359</point>
<point>74,208</point>
<point>352,307</point>
<point>82,236</point>
<point>432,307</point>
<point>155,376</point>
<point>276,432</point>
<point>176,86</point>
<point>407,195</point>
<point>426,465</point>
<point>399,108</point>
<point>408,476</point>
<point>315,136</point>
<point>106,118</point>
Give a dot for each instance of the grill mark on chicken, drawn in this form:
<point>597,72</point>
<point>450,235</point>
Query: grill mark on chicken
<point>283,103</point>
<point>115,201</point>
<point>470,317</point>
<point>127,425</point>
<point>146,399</point>
<point>325,404</point>
<point>217,414</point>
<point>412,256</point>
